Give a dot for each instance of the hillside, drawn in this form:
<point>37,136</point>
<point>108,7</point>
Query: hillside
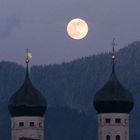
<point>74,84</point>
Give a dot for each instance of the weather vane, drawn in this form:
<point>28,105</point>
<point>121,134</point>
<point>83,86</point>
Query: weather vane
<point>28,55</point>
<point>113,48</point>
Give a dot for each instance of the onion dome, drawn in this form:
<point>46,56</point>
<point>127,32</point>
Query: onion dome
<point>113,97</point>
<point>27,101</point>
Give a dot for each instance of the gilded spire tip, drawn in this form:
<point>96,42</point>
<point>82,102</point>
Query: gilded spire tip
<point>113,48</point>
<point>113,53</point>
<point>28,56</point>
<point>27,60</point>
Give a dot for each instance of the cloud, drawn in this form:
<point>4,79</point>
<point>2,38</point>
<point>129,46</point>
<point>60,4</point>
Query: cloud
<point>8,25</point>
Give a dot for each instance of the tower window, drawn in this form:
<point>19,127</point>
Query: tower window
<point>21,124</point>
<point>107,120</point>
<point>118,137</point>
<point>40,124</point>
<point>118,120</point>
<point>107,137</point>
<point>125,121</point>
<point>32,124</point>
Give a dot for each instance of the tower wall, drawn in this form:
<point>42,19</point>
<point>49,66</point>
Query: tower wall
<point>29,127</point>
<point>113,126</point>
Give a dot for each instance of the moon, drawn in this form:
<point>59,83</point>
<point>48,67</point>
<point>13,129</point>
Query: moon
<point>77,28</point>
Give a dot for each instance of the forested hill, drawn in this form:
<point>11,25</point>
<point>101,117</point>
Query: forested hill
<point>74,84</point>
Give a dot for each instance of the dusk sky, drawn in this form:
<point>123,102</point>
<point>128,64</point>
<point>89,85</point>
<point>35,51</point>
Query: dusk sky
<point>40,25</point>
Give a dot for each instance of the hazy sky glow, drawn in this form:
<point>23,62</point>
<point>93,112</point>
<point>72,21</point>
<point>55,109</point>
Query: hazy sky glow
<point>40,25</point>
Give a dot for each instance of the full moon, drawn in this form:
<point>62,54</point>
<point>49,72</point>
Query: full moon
<point>77,28</point>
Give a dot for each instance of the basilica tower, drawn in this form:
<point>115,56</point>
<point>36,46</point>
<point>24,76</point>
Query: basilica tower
<point>27,108</point>
<point>113,103</point>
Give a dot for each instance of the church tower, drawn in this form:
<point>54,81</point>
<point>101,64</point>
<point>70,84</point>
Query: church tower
<point>113,103</point>
<point>27,108</point>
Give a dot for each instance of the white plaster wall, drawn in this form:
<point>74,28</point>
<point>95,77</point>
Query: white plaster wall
<point>113,128</point>
<point>35,132</point>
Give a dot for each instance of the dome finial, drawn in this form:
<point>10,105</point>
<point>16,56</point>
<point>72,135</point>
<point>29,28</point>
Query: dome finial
<point>28,56</point>
<point>113,54</point>
<point>27,60</point>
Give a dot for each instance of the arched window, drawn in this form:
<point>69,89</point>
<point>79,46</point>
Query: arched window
<point>118,137</point>
<point>107,137</point>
